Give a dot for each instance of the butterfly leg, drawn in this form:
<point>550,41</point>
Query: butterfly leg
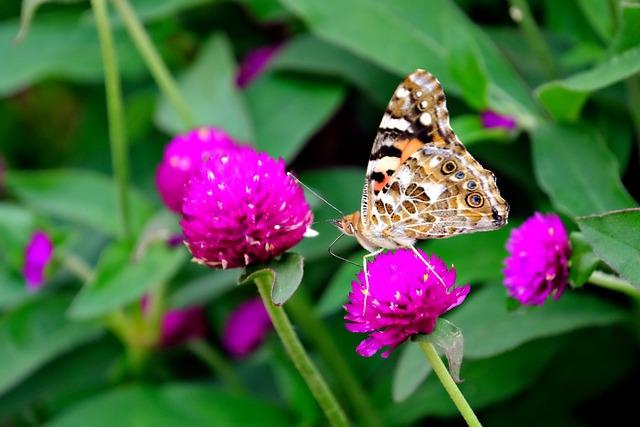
<point>429,266</point>
<point>366,277</point>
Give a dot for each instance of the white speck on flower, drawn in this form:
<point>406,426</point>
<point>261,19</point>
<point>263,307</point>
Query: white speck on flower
<point>392,306</point>
<point>224,159</point>
<point>247,189</point>
<point>397,295</point>
<point>251,205</point>
<point>219,203</point>
<point>210,176</point>
<point>246,259</point>
<point>221,186</point>
<point>256,178</point>
<point>277,227</point>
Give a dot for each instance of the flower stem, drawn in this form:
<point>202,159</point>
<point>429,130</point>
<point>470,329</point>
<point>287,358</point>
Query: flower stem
<point>449,385</point>
<point>318,334</point>
<point>154,62</point>
<point>300,359</point>
<point>77,266</point>
<point>217,363</point>
<point>614,283</point>
<point>115,111</point>
<point>521,13</point>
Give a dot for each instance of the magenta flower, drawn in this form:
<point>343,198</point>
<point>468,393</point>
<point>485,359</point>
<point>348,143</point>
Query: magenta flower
<point>254,64</point>
<point>243,208</point>
<point>491,119</point>
<point>37,256</point>
<point>181,325</point>
<point>246,328</point>
<point>537,265</point>
<point>183,157</point>
<point>405,298</point>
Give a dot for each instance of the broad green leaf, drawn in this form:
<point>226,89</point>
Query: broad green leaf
<point>583,261</point>
<point>309,54</point>
<point>284,273</point>
<point>628,35</point>
<point>16,226</point>
<point>204,288</point>
<point>52,40</point>
<point>421,39</point>
<point>172,405</point>
<point>598,13</point>
<point>468,70</point>
<point>576,169</point>
<point>565,98</point>
<point>149,10</point>
<point>335,293</point>
<point>266,10</point>
<point>287,110</point>
<point>121,279</point>
<point>470,130</point>
<point>486,382</point>
<point>13,289</point>
<point>28,10</point>
<point>210,91</point>
<point>36,333</point>
<point>615,238</point>
<point>410,371</point>
<point>490,329</point>
<point>78,196</point>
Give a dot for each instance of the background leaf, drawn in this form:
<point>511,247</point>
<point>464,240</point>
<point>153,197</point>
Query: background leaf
<point>410,371</point>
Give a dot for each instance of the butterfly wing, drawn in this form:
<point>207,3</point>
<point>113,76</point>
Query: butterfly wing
<point>421,181</point>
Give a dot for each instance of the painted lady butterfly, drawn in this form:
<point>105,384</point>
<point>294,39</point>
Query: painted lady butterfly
<point>421,182</point>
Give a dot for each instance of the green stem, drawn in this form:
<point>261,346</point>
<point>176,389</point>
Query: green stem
<point>317,333</point>
<point>449,385</point>
<point>216,361</point>
<point>532,34</point>
<point>300,359</point>
<point>154,62</point>
<point>115,111</point>
<point>77,266</point>
<point>614,283</point>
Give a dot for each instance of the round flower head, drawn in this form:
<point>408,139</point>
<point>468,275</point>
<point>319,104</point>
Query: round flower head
<point>537,265</point>
<point>37,256</point>
<point>491,119</point>
<point>246,328</point>
<point>183,157</point>
<point>243,208</point>
<point>254,64</point>
<point>405,298</point>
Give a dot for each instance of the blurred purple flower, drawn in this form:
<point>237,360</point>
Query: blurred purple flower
<point>37,255</point>
<point>246,328</point>
<point>537,265</point>
<point>183,157</point>
<point>179,325</point>
<point>254,64</point>
<point>405,298</point>
<point>491,119</point>
<point>243,208</point>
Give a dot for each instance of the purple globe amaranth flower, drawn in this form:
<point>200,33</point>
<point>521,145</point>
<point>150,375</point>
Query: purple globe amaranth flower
<point>537,265</point>
<point>246,328</point>
<point>254,64</point>
<point>181,325</point>
<point>37,256</point>
<point>243,208</point>
<point>405,298</point>
<point>183,157</point>
<point>491,119</point>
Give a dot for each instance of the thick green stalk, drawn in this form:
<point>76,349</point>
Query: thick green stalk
<point>317,333</point>
<point>217,363</point>
<point>115,111</point>
<point>521,13</point>
<point>300,358</point>
<point>614,283</point>
<point>154,62</point>
<point>449,385</point>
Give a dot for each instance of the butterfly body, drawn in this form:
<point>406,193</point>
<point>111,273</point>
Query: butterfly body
<point>421,182</point>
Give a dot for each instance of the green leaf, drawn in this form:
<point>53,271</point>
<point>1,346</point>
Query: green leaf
<point>150,10</point>
<point>284,272</point>
<point>628,35</point>
<point>420,39</point>
<point>565,98</point>
<point>598,13</point>
<point>410,372</point>
<point>308,54</point>
<point>576,169</point>
<point>209,89</point>
<point>53,39</point>
<point>487,382</point>
<point>615,238</point>
<point>490,329</point>
<point>13,289</point>
<point>36,333</point>
<point>81,197</point>
<point>16,226</point>
<point>172,405</point>
<point>204,288</point>
<point>335,294</point>
<point>287,110</point>
<point>120,280</point>
<point>470,130</point>
<point>266,11</point>
<point>28,10</point>
<point>583,261</point>
<point>468,70</point>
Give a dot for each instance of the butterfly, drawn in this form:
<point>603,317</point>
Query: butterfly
<point>421,182</point>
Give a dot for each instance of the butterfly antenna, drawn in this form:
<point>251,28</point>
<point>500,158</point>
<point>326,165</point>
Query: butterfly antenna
<point>314,193</point>
<point>338,256</point>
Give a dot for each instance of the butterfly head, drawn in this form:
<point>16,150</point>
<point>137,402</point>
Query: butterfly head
<point>348,224</point>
